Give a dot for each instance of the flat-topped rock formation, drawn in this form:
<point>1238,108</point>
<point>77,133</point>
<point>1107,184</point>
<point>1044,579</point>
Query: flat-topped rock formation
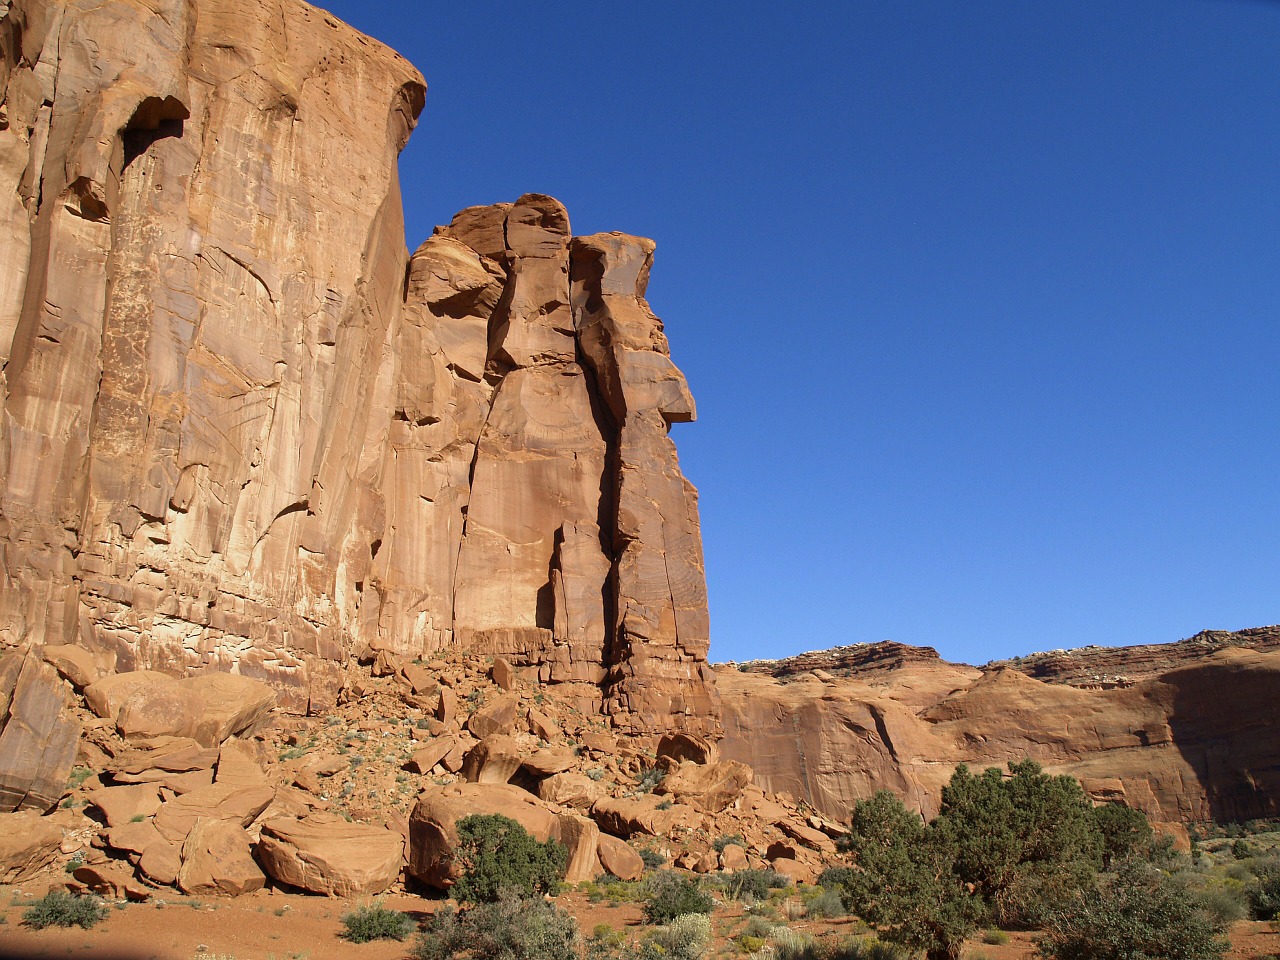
<point>245,430</point>
<point>1191,732</point>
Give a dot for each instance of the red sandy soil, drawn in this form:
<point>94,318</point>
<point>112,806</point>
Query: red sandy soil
<point>272,925</point>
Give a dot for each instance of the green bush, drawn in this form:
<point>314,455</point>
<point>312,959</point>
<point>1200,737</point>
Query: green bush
<point>509,929</point>
<point>995,938</point>
<point>1264,891</point>
<point>58,908</point>
<point>1141,914</point>
<point>498,858</point>
<point>376,923</point>
<point>1122,831</point>
<point>651,857</point>
<point>671,896</point>
<point>823,903</point>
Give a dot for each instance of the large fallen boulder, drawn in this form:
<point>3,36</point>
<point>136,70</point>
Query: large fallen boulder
<point>433,836</point>
<point>216,860</point>
<point>617,857</point>
<point>708,787</point>
<point>28,844</point>
<point>38,734</point>
<point>330,856</point>
<point>208,708</point>
<point>625,817</point>
<point>495,759</point>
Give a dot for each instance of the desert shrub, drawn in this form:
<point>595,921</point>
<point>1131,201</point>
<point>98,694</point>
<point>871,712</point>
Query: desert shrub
<point>1142,913</point>
<point>1264,891</point>
<point>753,884</point>
<point>758,927</point>
<point>1242,849</point>
<point>684,938</point>
<point>995,938</point>
<point>376,922</point>
<point>823,903</point>
<point>508,929</point>
<point>648,778</point>
<point>651,857</point>
<point>498,858</point>
<point>725,839</point>
<point>1121,831</point>
<point>58,908</point>
<point>672,895</point>
<point>1224,900</point>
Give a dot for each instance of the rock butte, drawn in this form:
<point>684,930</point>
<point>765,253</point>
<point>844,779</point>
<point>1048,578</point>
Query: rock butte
<point>245,430</point>
<point>262,468</point>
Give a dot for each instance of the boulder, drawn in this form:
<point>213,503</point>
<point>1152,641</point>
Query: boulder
<point>494,759</point>
<point>581,837</point>
<point>238,805</point>
<point>216,860</point>
<point>807,835</point>
<point>111,880</point>
<point>28,844</point>
<point>503,674</point>
<point>734,857</point>
<point>107,695</point>
<point>425,760</point>
<point>120,805</point>
<point>794,870</point>
<point>617,857</point>
<point>570,790</point>
<point>710,788</point>
<point>546,763</point>
<point>626,817</point>
<point>76,664</point>
<point>161,862</point>
<point>542,726</point>
<point>331,856</point>
<point>497,716</point>
<point>209,708</point>
<point>133,837</point>
<point>38,736</point>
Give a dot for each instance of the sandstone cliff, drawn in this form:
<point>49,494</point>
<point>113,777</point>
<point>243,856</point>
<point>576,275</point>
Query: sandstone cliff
<point>244,430</point>
<point>1185,731</point>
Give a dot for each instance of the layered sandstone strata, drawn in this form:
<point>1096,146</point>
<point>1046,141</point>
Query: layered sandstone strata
<point>1184,731</point>
<point>243,430</point>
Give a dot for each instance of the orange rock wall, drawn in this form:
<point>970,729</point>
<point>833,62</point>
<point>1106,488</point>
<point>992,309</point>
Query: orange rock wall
<point>243,429</point>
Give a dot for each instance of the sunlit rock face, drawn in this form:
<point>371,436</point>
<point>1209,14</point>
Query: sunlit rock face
<point>244,429</point>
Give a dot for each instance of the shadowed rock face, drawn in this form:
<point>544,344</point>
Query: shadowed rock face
<point>244,430</point>
<point>1185,731</point>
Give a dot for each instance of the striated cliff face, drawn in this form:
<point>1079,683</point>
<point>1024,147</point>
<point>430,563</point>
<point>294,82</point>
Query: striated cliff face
<point>1184,731</point>
<point>243,429</point>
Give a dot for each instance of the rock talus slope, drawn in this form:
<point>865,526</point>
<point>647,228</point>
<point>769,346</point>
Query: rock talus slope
<point>242,429</point>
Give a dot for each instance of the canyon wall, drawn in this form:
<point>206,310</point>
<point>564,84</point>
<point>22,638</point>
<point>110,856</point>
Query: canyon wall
<point>1183,731</point>
<point>243,429</point>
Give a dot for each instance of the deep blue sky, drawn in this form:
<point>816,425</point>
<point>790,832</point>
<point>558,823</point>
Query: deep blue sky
<point>979,300</point>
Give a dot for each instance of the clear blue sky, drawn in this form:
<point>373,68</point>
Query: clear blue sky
<point>979,300</point>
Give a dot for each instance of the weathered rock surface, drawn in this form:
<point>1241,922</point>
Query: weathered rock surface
<point>1183,731</point>
<point>28,843</point>
<point>216,859</point>
<point>245,432</point>
<point>38,734</point>
<point>332,856</point>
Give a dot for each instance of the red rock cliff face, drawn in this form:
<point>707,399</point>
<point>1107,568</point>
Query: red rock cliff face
<point>1185,731</point>
<point>236,437</point>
